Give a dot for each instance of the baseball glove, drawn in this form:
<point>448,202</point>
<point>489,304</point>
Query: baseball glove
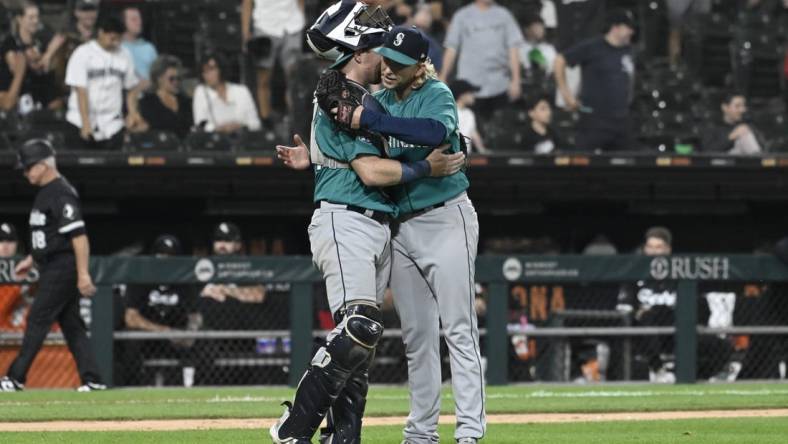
<point>334,91</point>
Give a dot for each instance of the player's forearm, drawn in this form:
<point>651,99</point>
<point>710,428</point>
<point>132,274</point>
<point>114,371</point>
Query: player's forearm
<point>255,294</point>
<point>135,321</point>
<point>378,172</point>
<point>449,57</point>
<point>81,247</point>
<point>82,102</point>
<point>416,131</point>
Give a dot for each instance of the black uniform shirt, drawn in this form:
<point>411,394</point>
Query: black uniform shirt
<point>168,305</point>
<point>608,74</point>
<point>55,219</point>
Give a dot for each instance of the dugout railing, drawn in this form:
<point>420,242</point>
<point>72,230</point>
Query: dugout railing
<point>498,273</point>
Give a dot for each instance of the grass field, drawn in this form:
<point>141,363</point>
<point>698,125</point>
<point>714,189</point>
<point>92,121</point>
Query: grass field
<point>256,402</point>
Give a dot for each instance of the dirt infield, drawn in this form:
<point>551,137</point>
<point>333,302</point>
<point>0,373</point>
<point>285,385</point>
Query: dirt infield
<point>216,424</point>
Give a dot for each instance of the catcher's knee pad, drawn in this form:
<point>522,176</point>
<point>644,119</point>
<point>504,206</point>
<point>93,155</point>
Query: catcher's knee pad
<point>363,323</point>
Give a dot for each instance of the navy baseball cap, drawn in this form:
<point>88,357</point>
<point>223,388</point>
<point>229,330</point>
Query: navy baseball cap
<point>8,232</point>
<point>405,45</point>
<point>32,152</point>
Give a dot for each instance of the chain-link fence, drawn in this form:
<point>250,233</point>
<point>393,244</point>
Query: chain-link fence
<point>225,334</point>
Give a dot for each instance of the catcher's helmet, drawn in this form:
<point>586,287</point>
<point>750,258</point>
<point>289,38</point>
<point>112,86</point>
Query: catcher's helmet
<point>347,26</point>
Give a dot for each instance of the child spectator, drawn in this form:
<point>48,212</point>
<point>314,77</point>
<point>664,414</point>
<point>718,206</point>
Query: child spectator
<point>540,137</point>
<point>465,95</point>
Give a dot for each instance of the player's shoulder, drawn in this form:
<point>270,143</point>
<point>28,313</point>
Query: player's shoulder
<point>435,89</point>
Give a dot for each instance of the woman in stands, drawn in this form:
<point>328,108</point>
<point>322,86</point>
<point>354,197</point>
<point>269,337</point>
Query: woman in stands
<point>220,105</point>
<point>164,107</point>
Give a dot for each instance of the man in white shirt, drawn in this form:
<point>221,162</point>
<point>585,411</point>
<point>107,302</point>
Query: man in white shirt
<point>271,32</point>
<point>98,72</point>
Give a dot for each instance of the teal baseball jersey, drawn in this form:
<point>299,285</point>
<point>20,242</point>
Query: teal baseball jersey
<point>342,185</point>
<point>434,100</point>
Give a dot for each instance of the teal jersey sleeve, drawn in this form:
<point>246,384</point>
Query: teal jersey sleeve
<point>338,144</point>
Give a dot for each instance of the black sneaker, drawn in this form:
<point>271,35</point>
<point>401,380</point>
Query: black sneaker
<point>91,387</point>
<point>10,385</point>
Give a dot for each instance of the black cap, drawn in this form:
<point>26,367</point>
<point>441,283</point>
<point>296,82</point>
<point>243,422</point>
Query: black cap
<point>166,244</point>
<point>460,87</point>
<point>227,231</point>
<point>619,17</point>
<point>8,232</point>
<point>86,4</point>
<point>405,45</point>
<point>32,152</point>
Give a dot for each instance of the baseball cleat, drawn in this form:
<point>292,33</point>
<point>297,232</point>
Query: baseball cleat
<point>91,387</point>
<point>10,385</point>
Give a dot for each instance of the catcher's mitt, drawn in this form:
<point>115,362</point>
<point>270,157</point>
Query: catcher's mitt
<point>334,91</point>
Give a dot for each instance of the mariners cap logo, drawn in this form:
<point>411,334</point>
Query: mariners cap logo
<point>398,40</point>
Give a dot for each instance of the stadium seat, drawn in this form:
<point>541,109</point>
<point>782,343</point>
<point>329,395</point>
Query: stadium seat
<point>153,141</point>
<point>263,140</point>
<point>5,144</point>
<point>56,138</point>
<point>209,143</point>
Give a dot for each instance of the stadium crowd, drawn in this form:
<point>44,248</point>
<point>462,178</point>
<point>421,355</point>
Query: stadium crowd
<point>530,76</point>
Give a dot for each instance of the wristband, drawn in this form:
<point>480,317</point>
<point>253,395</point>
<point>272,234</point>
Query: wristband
<point>414,170</point>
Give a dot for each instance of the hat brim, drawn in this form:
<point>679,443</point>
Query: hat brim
<point>396,56</point>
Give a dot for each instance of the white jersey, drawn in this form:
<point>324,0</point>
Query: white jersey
<point>105,75</point>
<point>276,18</point>
<point>467,124</point>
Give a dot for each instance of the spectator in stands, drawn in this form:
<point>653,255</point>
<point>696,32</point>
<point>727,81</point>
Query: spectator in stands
<point>536,53</point>
<point>227,241</point>
<point>163,308</point>
<point>220,105</point>
<point>465,95</point>
<point>164,107</point>
<point>143,53</point>
<point>80,28</point>
<point>680,15</point>
<point>484,39</point>
<point>732,135</point>
<point>608,71</point>
<point>540,137</point>
<point>271,31</point>
<point>12,303</point>
<point>26,81</point>
<point>422,18</point>
<point>98,73</point>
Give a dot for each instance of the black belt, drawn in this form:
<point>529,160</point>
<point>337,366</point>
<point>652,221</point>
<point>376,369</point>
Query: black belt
<point>377,216</point>
<point>423,210</point>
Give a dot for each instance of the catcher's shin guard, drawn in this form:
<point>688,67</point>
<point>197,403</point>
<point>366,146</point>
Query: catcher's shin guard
<point>343,422</point>
<point>331,367</point>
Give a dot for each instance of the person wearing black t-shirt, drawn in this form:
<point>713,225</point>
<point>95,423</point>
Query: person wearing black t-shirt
<point>608,72</point>
<point>26,80</point>
<point>61,252</point>
<point>540,137</point>
<point>163,307</point>
<point>165,108</point>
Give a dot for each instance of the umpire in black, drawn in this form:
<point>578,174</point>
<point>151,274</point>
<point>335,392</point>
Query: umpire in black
<point>60,250</point>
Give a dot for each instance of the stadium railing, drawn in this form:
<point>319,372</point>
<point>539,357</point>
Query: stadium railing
<point>501,276</point>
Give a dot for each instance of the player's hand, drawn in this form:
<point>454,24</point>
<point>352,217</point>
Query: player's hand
<point>85,285</point>
<point>295,157</point>
<point>355,120</point>
<point>445,164</point>
<point>215,292</point>
<point>86,133</point>
<point>23,267</point>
